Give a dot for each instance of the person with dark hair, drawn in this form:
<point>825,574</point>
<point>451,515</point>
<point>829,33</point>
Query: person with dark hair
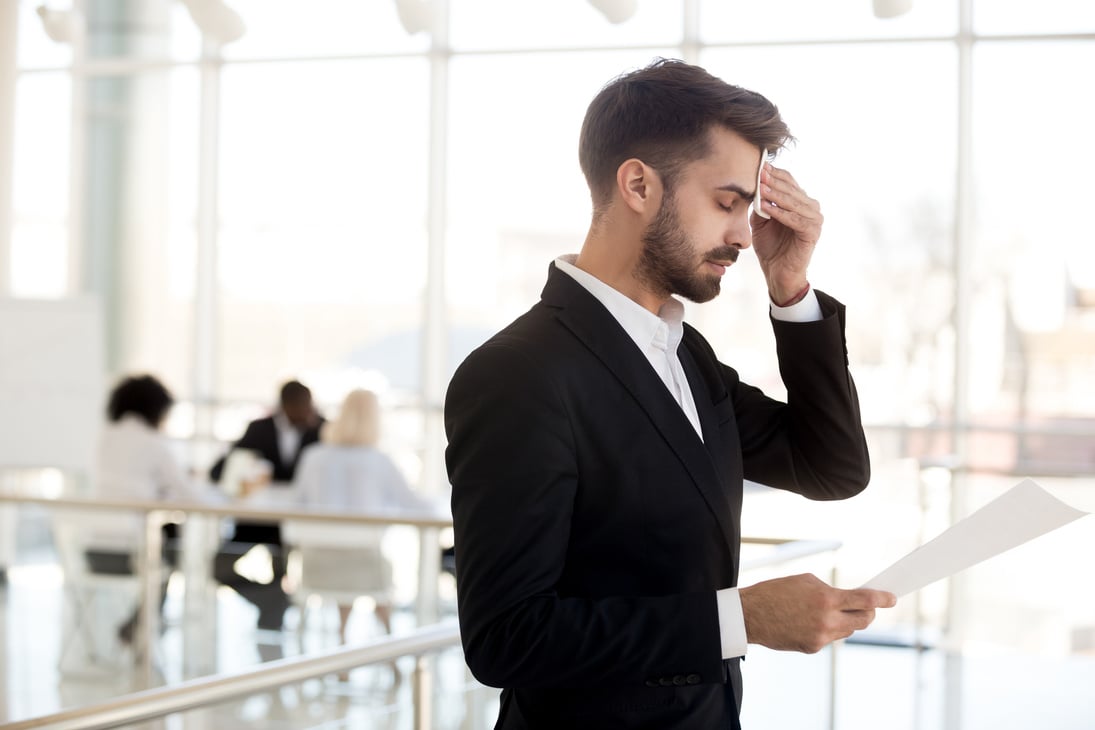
<point>143,396</point>
<point>597,447</point>
<point>134,458</point>
<point>135,461</point>
<point>277,439</point>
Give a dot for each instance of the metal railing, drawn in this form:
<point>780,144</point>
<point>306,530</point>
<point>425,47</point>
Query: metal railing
<point>236,509</point>
<point>157,513</point>
<point>785,550</point>
<point>154,703</point>
<point>161,701</point>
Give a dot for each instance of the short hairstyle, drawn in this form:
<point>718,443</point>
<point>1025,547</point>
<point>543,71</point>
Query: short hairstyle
<point>294,392</point>
<point>358,421</point>
<point>141,395</point>
<point>662,114</point>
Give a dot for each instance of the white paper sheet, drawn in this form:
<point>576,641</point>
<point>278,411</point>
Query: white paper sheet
<point>1018,515</point>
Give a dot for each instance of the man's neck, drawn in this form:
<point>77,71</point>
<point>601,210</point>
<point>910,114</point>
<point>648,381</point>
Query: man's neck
<point>615,261</point>
<point>282,421</point>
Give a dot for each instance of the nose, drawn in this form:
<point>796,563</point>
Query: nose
<point>740,235</point>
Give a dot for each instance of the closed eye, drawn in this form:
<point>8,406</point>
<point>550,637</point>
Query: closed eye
<point>737,193</point>
<point>732,205</point>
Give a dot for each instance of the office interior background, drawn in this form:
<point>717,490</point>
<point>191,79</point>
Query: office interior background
<point>358,192</point>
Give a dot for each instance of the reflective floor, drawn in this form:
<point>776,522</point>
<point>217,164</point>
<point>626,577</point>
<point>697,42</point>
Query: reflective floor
<point>999,685</point>
<point>50,661</point>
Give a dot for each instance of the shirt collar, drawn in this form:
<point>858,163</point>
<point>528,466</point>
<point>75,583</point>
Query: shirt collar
<point>662,331</point>
<point>281,422</point>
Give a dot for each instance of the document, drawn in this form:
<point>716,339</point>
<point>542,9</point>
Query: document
<point>1018,515</point>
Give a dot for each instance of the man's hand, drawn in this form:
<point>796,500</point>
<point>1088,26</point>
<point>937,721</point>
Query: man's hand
<point>802,613</point>
<point>785,242</point>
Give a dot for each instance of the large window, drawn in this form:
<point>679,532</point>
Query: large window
<point>303,161</point>
<point>1033,272</point>
<point>322,222</point>
<point>876,146</point>
<point>40,231</point>
<point>516,195</point>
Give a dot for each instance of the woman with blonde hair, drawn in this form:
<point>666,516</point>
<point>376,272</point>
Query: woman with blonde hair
<point>347,472</point>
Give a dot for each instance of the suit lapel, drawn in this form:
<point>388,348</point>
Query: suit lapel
<point>581,313</point>
<point>706,393</point>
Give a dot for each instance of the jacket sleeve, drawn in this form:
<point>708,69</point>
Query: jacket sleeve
<point>251,439</point>
<point>814,443</point>
<point>513,467</point>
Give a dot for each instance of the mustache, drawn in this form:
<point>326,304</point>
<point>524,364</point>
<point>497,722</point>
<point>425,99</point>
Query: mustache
<point>723,253</point>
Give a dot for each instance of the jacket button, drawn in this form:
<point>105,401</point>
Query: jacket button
<point>678,680</point>
<point>692,679</point>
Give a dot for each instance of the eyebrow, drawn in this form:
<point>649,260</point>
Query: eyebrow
<point>735,188</point>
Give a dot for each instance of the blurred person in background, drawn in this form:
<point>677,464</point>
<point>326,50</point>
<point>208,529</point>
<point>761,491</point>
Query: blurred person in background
<point>347,472</point>
<point>135,461</point>
<point>278,440</point>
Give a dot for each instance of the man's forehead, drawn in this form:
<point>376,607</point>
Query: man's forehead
<point>730,166</point>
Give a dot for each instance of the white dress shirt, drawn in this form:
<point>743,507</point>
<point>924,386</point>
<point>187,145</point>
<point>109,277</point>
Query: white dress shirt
<point>658,337</point>
<point>288,438</point>
<point>134,461</point>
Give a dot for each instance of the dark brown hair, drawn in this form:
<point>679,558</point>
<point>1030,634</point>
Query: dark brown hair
<point>661,114</point>
<point>294,391</point>
<point>141,395</point>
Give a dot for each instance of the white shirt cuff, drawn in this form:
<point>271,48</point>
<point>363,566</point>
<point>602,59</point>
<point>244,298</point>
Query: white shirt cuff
<point>731,623</point>
<point>805,310</point>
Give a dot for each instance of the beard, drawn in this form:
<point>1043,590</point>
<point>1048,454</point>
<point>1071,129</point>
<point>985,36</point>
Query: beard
<point>669,263</point>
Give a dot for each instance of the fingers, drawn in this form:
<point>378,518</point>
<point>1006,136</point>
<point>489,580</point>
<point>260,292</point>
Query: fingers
<point>803,613</point>
<point>866,598</point>
<point>789,204</point>
<point>856,620</point>
<point>857,608</point>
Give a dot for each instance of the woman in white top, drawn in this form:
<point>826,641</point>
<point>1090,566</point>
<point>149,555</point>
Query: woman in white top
<point>346,472</point>
<point>135,462</point>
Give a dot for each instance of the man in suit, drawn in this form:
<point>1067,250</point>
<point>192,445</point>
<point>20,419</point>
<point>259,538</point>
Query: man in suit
<point>597,447</point>
<point>278,439</point>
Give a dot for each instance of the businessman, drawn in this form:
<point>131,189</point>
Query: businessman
<point>597,447</point>
<point>278,438</point>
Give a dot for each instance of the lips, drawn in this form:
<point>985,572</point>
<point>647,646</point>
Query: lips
<point>721,258</point>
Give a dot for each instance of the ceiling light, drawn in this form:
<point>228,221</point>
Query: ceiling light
<point>216,20</point>
<point>617,11</point>
<point>414,15</point>
<point>891,8</point>
<point>62,26</point>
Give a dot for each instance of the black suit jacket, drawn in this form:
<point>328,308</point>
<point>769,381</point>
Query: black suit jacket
<point>593,526</point>
<point>262,436</point>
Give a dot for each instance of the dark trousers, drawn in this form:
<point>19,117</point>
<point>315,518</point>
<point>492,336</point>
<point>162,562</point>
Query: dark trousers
<point>270,598</point>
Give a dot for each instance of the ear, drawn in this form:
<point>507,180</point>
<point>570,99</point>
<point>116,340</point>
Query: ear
<point>639,186</point>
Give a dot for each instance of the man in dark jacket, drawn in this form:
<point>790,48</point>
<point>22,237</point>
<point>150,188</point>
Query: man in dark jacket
<point>597,447</point>
<point>277,439</point>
